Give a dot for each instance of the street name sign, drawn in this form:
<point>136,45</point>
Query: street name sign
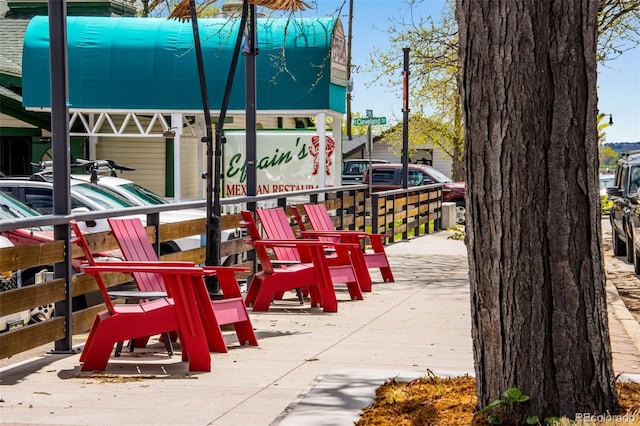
<point>369,121</point>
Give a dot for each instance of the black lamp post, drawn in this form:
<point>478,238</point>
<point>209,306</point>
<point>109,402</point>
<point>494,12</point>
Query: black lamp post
<point>213,171</point>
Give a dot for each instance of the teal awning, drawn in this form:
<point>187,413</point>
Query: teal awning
<point>149,64</point>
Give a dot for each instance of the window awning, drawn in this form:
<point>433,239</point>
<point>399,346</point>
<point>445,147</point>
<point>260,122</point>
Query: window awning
<point>149,64</point>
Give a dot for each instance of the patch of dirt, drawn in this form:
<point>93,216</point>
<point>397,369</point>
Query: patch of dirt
<point>451,401</point>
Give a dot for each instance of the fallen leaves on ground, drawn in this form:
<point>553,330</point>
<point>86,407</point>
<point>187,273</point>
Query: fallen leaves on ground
<point>433,400</point>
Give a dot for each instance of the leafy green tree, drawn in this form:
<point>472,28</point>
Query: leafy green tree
<point>608,156</point>
<point>602,125</point>
<point>618,28</point>
<point>435,65</point>
<point>435,78</point>
<point>423,131</point>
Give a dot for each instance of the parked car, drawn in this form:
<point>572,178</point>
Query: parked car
<point>625,211</point>
<point>352,170</point>
<point>142,196</point>
<point>606,181</point>
<point>10,209</point>
<point>389,176</point>
<point>104,173</point>
<point>38,193</point>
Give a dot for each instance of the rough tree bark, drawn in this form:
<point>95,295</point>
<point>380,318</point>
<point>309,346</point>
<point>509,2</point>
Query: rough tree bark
<point>533,235</point>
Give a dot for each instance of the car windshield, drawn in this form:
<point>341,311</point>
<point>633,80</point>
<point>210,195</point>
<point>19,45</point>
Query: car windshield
<point>10,208</point>
<point>354,168</point>
<point>106,198</point>
<point>145,196</point>
<point>357,167</point>
<point>441,178</point>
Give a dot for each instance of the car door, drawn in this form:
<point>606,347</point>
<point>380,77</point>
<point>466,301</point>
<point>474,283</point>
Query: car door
<point>619,203</point>
<point>632,211</point>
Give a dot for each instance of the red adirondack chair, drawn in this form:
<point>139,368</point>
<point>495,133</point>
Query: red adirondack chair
<point>132,321</point>
<point>310,272</point>
<point>324,228</point>
<point>341,264</point>
<point>135,246</point>
<point>275,223</point>
<point>129,296</point>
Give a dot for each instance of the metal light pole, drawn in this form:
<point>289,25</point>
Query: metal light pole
<point>250,52</point>
<point>213,237</point>
<point>349,130</point>
<point>405,120</point>
<point>214,151</point>
<point>61,159</point>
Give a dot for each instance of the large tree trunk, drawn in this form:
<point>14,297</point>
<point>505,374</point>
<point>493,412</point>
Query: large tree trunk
<point>533,235</point>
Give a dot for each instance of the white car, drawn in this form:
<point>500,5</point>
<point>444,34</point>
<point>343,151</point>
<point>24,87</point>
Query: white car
<point>606,181</point>
<point>142,196</point>
<point>84,196</point>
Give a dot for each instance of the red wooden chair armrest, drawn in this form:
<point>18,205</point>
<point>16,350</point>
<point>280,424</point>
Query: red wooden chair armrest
<point>285,262</point>
<point>136,263</point>
<point>209,270</point>
<point>138,295</point>
<point>339,233</point>
<point>293,243</point>
<point>154,268</point>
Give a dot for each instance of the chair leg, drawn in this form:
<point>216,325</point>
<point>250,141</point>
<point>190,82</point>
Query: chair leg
<point>245,333</point>
<point>252,292</point>
<point>387,275</point>
<point>300,296</point>
<point>167,343</point>
<point>118,348</point>
<point>354,291</point>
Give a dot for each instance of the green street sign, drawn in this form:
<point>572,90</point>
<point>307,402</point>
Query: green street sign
<point>369,121</point>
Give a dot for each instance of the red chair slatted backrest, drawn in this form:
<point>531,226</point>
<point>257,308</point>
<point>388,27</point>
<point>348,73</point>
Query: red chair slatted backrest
<point>135,245</point>
<point>319,218</point>
<point>277,227</point>
<point>82,242</point>
<point>252,229</point>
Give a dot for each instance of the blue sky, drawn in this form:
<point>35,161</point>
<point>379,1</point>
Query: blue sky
<point>618,82</point>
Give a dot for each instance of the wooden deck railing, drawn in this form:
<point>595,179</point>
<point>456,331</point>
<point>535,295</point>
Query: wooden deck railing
<point>402,213</point>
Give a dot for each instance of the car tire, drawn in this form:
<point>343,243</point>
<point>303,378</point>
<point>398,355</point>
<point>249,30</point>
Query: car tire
<point>619,248</point>
<point>461,212</point>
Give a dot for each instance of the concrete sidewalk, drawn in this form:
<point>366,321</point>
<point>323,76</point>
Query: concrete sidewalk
<point>311,368</point>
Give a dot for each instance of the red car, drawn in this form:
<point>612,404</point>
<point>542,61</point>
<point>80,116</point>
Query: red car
<point>389,176</point>
<point>11,208</point>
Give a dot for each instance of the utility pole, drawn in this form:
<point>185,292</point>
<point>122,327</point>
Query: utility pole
<point>349,83</point>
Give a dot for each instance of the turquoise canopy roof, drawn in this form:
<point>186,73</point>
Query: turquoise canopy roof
<point>150,64</point>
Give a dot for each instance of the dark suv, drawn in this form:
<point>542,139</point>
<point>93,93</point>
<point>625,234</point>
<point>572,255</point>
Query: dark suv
<point>625,212</point>
<point>389,176</point>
